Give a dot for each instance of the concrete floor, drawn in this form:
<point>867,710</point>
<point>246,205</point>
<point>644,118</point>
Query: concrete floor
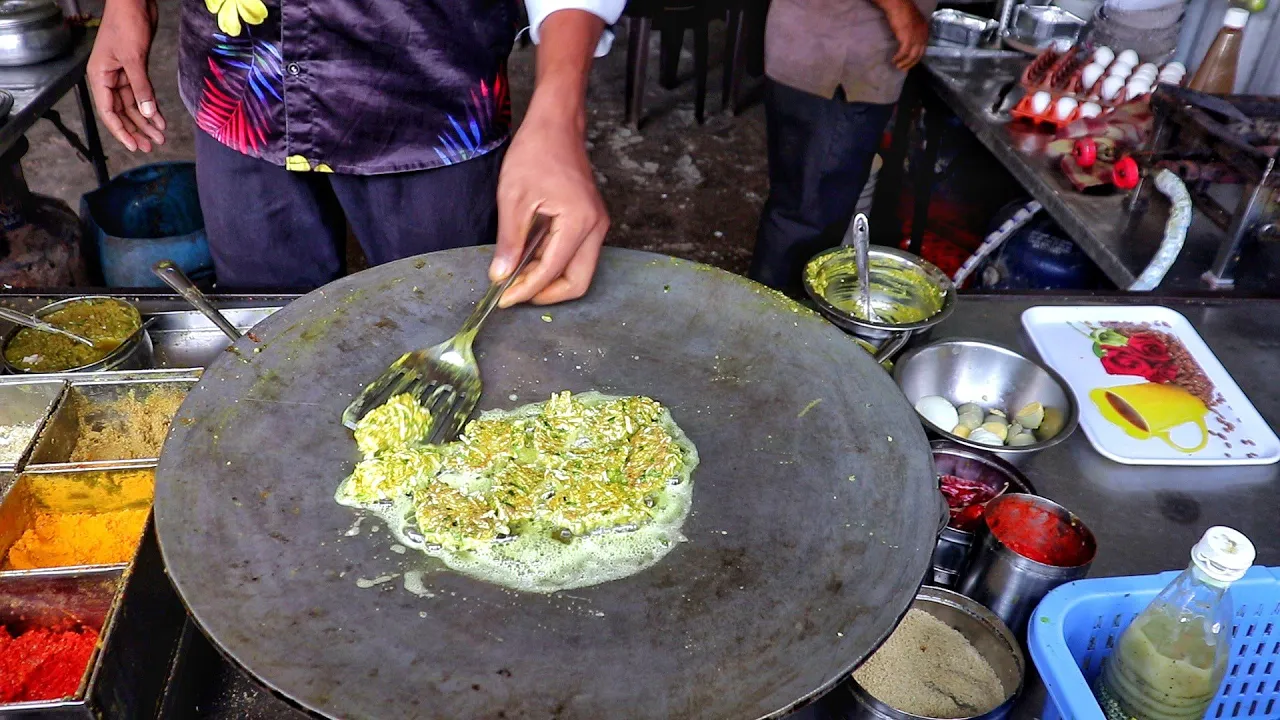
<point>673,186</point>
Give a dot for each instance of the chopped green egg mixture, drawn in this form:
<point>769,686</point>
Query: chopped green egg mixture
<point>574,491</point>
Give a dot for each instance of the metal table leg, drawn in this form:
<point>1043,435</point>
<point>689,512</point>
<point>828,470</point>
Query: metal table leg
<point>91,138</point>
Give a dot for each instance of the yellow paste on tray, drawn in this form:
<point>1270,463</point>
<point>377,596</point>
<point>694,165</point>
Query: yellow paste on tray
<point>106,322</point>
<point>64,539</point>
<point>575,491</point>
<point>78,518</point>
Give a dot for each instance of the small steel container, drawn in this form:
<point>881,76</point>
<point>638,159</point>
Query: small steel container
<point>951,554</point>
<point>31,31</point>
<point>961,29</point>
<point>133,355</point>
<point>1039,25</point>
<point>964,371</point>
<point>831,279</point>
<point>988,635</point>
<point>1010,584</point>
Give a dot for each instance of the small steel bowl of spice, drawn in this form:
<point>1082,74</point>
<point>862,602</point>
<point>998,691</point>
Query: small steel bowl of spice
<point>111,323</point>
<point>949,658</point>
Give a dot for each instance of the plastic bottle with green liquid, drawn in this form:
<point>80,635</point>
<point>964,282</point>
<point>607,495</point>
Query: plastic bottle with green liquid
<point>1170,661</point>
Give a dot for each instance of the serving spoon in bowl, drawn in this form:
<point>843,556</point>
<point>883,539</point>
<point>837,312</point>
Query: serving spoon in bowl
<point>35,323</point>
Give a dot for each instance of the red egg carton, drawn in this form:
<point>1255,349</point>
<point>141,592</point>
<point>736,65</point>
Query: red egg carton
<point>1052,70</point>
<point>1023,111</point>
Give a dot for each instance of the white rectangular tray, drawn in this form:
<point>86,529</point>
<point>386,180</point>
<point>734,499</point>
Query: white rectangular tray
<point>1147,411</point>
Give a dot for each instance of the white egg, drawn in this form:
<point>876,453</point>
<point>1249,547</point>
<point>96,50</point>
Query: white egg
<point>1170,77</point>
<point>1040,102</point>
<point>1065,107</point>
<point>1137,87</point>
<point>1103,55</point>
<point>1147,75</point>
<point>1176,66</point>
<point>985,437</point>
<point>1119,70</point>
<point>1128,57</point>
<point>1090,110</point>
<point>1148,68</point>
<point>938,410</point>
<point>1062,44</point>
<point>1089,76</point>
<point>1111,87</point>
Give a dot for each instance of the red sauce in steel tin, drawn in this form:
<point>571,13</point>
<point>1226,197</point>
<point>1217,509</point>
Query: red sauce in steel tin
<point>42,664</point>
<point>1038,534</point>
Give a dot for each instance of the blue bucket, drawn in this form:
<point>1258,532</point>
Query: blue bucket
<point>145,215</point>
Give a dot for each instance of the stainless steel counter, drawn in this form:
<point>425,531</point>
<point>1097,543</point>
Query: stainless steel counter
<point>1120,243</point>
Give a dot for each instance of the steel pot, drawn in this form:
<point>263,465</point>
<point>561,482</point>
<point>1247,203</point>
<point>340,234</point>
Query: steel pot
<point>133,355</point>
<point>31,31</point>
<point>988,635</point>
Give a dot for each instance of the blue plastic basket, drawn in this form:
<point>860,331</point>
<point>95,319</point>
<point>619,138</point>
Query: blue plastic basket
<point>1075,627</point>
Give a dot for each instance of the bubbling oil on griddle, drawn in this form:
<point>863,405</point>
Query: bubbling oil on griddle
<point>405,483</point>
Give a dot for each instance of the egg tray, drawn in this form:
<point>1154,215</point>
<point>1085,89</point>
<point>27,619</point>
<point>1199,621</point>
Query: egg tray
<point>1059,74</point>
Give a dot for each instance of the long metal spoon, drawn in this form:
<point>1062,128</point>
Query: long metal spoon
<point>860,232</point>
<point>173,276</point>
<point>35,323</point>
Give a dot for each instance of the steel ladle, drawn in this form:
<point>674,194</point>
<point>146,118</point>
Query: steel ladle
<point>35,323</point>
<point>173,276</point>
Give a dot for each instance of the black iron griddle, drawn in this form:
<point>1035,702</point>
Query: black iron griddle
<point>814,508</point>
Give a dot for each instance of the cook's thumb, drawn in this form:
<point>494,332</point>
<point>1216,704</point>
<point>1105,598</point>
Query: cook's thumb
<point>136,71</point>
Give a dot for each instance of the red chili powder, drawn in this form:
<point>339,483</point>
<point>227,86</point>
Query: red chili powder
<point>43,664</point>
<point>1038,534</point>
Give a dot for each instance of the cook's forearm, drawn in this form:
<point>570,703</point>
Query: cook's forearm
<point>892,7</point>
<point>567,44</point>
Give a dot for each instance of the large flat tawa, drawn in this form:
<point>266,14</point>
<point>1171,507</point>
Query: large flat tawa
<point>814,508</point>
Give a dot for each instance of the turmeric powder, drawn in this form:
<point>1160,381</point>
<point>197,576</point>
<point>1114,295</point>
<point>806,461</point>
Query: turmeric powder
<point>78,538</point>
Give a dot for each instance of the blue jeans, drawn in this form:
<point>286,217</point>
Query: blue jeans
<point>820,154</point>
<point>272,228</point>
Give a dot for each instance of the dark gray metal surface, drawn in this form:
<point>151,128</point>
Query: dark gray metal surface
<point>811,528</point>
<point>36,88</point>
<point>1121,243</point>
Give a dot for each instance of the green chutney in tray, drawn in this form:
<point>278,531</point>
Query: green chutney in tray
<point>105,321</point>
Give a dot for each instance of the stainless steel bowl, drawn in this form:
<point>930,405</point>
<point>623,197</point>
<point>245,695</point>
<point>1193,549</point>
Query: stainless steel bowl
<point>831,280</point>
<point>988,635</point>
<point>133,355</point>
<point>972,371</point>
<point>951,554</point>
<point>31,31</point>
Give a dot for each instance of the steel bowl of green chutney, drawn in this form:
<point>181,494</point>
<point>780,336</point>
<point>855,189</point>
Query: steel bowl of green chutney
<point>908,294</point>
<point>110,322</point>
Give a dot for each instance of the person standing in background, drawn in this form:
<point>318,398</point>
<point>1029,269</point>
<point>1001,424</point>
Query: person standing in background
<point>392,115</point>
<point>834,70</point>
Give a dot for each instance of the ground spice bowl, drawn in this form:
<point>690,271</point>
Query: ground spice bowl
<point>1012,584</point>
<point>951,554</point>
<point>137,354</point>
<point>988,635</point>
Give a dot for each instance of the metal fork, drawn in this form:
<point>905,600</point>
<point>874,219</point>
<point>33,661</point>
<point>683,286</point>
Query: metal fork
<point>446,378</point>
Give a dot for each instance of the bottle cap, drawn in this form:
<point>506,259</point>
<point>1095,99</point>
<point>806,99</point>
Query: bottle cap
<point>1235,18</point>
<point>1223,554</point>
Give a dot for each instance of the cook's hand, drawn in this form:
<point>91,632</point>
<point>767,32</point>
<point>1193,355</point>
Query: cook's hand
<point>117,74</point>
<point>911,31</point>
<point>546,170</point>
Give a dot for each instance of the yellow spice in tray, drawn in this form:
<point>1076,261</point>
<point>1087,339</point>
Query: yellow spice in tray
<point>79,538</point>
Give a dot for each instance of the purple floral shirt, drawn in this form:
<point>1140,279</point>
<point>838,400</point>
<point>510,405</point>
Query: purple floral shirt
<point>350,86</point>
